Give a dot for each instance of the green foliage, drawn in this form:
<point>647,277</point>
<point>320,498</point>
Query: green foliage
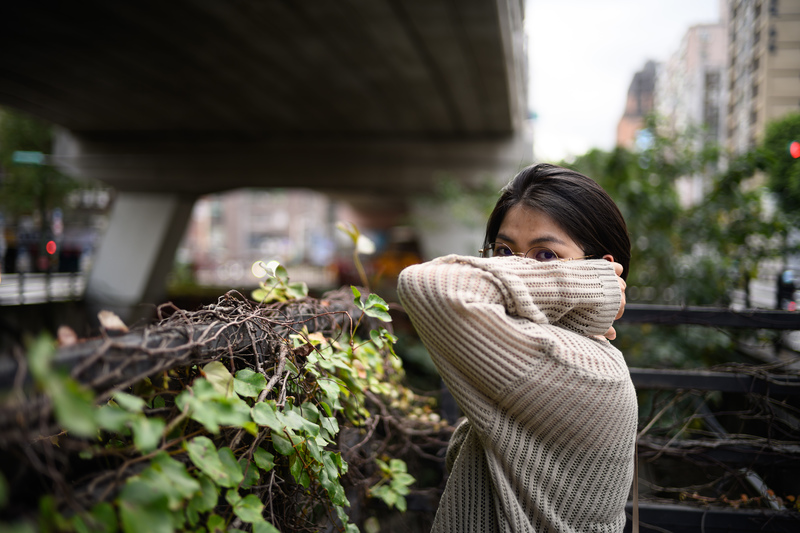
<point>394,484</point>
<point>782,168</point>
<point>276,286</point>
<point>695,254</point>
<point>26,189</point>
<point>191,480</point>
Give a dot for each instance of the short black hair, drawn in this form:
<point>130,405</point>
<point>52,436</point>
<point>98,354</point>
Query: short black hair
<point>575,202</point>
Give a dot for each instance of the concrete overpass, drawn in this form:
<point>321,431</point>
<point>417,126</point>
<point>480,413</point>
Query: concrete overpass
<point>370,99</point>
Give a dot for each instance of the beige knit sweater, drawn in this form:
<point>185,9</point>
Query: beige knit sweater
<point>552,413</point>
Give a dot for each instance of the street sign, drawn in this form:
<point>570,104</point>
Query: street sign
<point>22,157</point>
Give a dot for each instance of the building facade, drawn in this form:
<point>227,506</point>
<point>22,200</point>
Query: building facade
<point>691,96</point>
<point>764,67</point>
<point>640,102</point>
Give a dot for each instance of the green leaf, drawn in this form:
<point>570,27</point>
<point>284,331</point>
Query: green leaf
<point>223,471</point>
<point>264,527</point>
<point>264,460</point>
<point>282,445</point>
<point>112,418</point>
<point>40,355</point>
<point>147,432</point>
<point>309,411</point>
<point>204,500</point>
<point>74,408</point>
<point>250,471</point>
<point>350,229</point>
<point>102,518</point>
<point>170,477</point>
<point>216,524</point>
<point>142,509</point>
<point>249,508</point>
<point>267,414</point>
<point>248,383</point>
<point>357,297</point>
<point>220,378</point>
<point>206,405</point>
<point>380,314</point>
<point>232,469</point>
<point>129,402</point>
<point>297,290</point>
<point>298,423</point>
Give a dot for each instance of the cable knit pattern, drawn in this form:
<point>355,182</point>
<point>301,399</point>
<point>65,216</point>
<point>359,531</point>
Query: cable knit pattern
<point>549,442</point>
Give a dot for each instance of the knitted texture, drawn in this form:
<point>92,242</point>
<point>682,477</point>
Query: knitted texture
<point>551,409</point>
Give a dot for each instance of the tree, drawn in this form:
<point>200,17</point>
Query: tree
<point>25,189</point>
<point>783,167</point>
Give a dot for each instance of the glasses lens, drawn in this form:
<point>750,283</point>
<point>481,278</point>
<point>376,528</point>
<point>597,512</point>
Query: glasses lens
<point>496,249</point>
<point>542,254</point>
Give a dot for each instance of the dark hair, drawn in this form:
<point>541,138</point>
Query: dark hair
<point>575,202</point>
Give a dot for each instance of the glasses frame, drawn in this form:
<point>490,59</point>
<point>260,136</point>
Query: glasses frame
<point>491,245</point>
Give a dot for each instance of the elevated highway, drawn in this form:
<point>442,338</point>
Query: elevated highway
<point>165,101</point>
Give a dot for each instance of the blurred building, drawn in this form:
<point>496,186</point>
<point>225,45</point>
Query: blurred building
<point>764,67</point>
<point>229,231</point>
<point>691,95</point>
<point>639,104</point>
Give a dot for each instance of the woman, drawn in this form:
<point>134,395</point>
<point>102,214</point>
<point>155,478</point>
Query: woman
<point>521,338</point>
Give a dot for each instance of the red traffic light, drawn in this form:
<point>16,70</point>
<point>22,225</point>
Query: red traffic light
<point>51,247</point>
<point>794,149</point>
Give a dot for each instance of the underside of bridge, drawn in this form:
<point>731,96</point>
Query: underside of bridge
<point>370,99</point>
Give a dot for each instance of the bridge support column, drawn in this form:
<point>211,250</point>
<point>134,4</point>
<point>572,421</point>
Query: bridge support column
<point>131,266</point>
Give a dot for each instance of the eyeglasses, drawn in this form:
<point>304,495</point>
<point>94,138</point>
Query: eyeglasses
<point>539,253</point>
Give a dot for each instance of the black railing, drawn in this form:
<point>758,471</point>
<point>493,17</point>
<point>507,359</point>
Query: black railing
<point>759,461</point>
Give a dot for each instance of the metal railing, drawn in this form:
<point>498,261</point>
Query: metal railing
<point>38,288</point>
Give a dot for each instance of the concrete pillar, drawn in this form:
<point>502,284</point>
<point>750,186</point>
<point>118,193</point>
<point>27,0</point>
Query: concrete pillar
<point>130,268</point>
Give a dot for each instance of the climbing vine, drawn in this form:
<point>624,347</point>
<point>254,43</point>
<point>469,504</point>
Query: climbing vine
<point>229,418</point>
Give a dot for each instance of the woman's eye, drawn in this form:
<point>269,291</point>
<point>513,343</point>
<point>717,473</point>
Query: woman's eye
<point>502,251</point>
<point>543,254</point>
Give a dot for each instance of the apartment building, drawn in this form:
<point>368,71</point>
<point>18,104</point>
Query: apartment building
<point>764,67</point>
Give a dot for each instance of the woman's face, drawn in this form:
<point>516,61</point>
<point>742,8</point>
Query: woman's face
<point>524,228</point>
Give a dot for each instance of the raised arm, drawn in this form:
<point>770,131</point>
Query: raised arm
<point>489,320</point>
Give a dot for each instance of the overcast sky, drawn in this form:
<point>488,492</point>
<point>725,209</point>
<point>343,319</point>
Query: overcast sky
<point>583,55</point>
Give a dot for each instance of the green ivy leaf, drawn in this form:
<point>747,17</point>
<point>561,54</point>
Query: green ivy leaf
<point>206,405</point>
<point>216,524</point>
<point>250,471</point>
<point>220,378</point>
<point>264,527</point>
<point>40,355</point>
<point>142,509</point>
<point>147,432</point>
<point>297,290</point>
<point>102,518</point>
<point>249,508</point>
<point>170,477</point>
<point>129,402</point>
<point>267,414</point>
<point>112,418</point>
<point>357,297</point>
<point>298,423</point>
<point>74,408</point>
<point>220,466</point>
<point>282,445</point>
<point>264,460</point>
<point>248,383</point>
<point>204,500</point>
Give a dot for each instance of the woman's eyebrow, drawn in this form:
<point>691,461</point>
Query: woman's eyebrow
<point>546,238</point>
<point>533,242</point>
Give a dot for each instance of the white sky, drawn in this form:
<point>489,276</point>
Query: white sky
<point>583,55</point>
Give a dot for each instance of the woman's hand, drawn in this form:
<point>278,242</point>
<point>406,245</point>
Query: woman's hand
<point>611,334</point>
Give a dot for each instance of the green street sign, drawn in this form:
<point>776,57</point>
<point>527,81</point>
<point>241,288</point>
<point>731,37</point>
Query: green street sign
<point>28,158</point>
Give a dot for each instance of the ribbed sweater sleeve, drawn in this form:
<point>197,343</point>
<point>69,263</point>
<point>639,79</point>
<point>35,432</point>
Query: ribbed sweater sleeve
<point>551,409</point>
<point>470,309</point>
